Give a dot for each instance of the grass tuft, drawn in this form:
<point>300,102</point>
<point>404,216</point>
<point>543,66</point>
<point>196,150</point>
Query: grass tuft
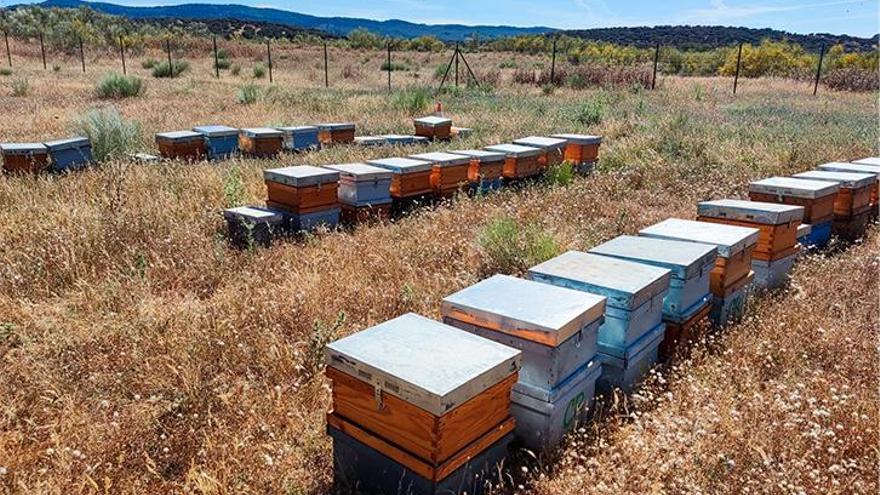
<point>511,248</point>
<point>117,86</point>
<point>111,135</point>
<point>176,68</point>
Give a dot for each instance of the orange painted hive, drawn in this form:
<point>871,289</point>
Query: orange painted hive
<point>681,334</point>
<point>581,148</point>
<point>856,168</point>
<point>182,145</point>
<point>433,127</point>
<point>24,157</point>
<point>449,172</point>
<point>302,189</point>
<point>853,197</point>
<point>261,142</point>
<point>352,214</point>
<point>410,177</point>
<point>520,161</point>
<point>777,223</point>
<point>485,165</point>
<point>336,132</point>
<point>816,197</point>
<point>552,149</point>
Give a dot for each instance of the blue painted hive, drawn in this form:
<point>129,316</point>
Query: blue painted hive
<point>363,185</point>
<point>398,139</point>
<point>635,293</point>
<point>300,138</point>
<point>626,371</point>
<point>69,154</point>
<point>221,141</point>
<point>689,263</point>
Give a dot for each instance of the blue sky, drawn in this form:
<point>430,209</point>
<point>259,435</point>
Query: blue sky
<point>855,17</point>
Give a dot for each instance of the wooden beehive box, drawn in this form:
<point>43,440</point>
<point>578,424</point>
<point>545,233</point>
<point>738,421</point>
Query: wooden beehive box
<point>635,293</point>
<point>520,161</point>
<point>361,184</point>
<point>690,264</point>
<point>24,157</point>
<point>816,197</point>
<point>69,154</point>
<point>336,132</point>
<point>449,172</point>
<point>370,141</point>
<point>410,177</point>
<point>433,127</point>
<point>221,141</point>
<point>552,149</point>
<point>398,139</point>
<point>426,387</point>
<point>682,333</point>
<point>485,166</point>
<point>300,138</point>
<point>853,197</point>
<point>581,148</point>
<point>857,169</point>
<point>262,142</point>
<point>302,188</point>
<point>181,145</point>
<point>252,225</point>
<point>735,246</point>
<point>373,212</point>
<point>777,223</point>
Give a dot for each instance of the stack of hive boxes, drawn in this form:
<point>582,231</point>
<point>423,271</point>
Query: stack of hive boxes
<point>181,145</point>
<point>556,329</point>
<point>306,195</point>
<point>220,141</point>
<point>433,127</point>
<point>25,157</point>
<point>777,249</point>
<point>449,172</point>
<point>419,407</point>
<point>336,132</point>
<point>69,154</point>
<point>582,150</point>
<point>630,337</point>
<point>816,197</point>
<point>261,142</point>
<point>687,303</point>
<point>730,279</point>
<point>364,192</point>
<point>300,138</point>
<point>252,225</point>
<point>410,178</point>
<point>552,149</point>
<point>855,168</point>
<point>852,206</point>
<point>520,161</point>
<point>486,170</point>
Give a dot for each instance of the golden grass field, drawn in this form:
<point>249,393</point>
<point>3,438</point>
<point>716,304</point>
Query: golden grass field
<point>140,354</point>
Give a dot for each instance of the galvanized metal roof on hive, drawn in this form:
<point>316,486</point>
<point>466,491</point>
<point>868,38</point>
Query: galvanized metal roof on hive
<point>360,171</point>
<point>751,211</point>
<point>845,179</point>
<point>729,239</point>
<point>684,259</point>
<point>179,135</point>
<point>541,142</point>
<point>424,362</point>
<point>401,165</point>
<point>216,130</point>
<point>795,188</point>
<point>871,160</point>
<point>261,132</point>
<point>301,175</point>
<point>432,121</point>
<point>67,143</point>
<point>515,150</point>
<point>483,155</point>
<point>442,159</point>
<point>581,139</point>
<point>850,168</point>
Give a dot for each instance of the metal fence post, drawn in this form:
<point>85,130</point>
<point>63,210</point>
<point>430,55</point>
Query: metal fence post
<point>216,59</point>
<point>82,54</point>
<point>553,63</point>
<point>43,51</point>
<point>738,60</point>
<point>819,70</point>
<point>170,64</point>
<point>456,65</point>
<point>656,60</point>
<point>389,66</point>
<point>8,53</point>
<point>122,54</point>
<point>326,76</point>
<point>269,55</point>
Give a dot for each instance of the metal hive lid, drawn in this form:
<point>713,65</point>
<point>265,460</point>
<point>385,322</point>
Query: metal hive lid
<point>22,148</point>
<point>626,284</point>
<point>336,126</point>
<point>850,168</point>
<point>360,171</point>
<point>848,180</point>
<point>370,140</point>
<point>541,142</point>
<point>401,165</point>
<point>796,188</point>
<point>686,260</point>
<point>871,160</point>
<point>580,138</point>
<point>729,239</point>
<point>301,175</point>
<point>261,132</point>
<point>68,143</point>
<point>431,365</point>
<point>751,211</point>
<point>432,120</point>
<point>804,229</point>
<point>254,213</point>
<point>298,129</point>
<point>543,313</point>
<point>483,155</point>
<point>392,138</point>
<point>442,159</point>
<point>216,130</point>
<point>179,135</point>
<point>515,150</point>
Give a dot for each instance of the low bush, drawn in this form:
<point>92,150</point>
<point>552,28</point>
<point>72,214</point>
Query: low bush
<point>111,135</point>
<point>149,63</point>
<point>590,113</point>
<point>223,63</point>
<point>21,87</point>
<point>511,248</point>
<point>560,75</point>
<point>117,86</point>
<point>259,71</point>
<point>176,68</point>
<point>413,100</point>
<point>5,71</point>
<point>560,175</point>
<point>852,79</point>
<point>235,69</point>
<point>394,66</point>
<point>247,94</point>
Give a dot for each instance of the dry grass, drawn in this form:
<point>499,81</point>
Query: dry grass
<point>139,353</point>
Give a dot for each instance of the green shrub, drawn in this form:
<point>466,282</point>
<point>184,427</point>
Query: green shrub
<point>176,68</point>
<point>259,71</point>
<point>111,135</point>
<point>510,248</point>
<point>508,64</point>
<point>413,100</point>
<point>5,71</point>
<point>233,188</point>
<point>149,63</point>
<point>394,66</point>
<point>590,113</point>
<point>56,68</point>
<point>561,174</point>
<point>223,63</point>
<point>118,86</point>
<point>440,70</point>
<point>223,54</point>
<point>235,69</point>
<point>548,89</point>
<point>21,86</point>
<point>247,94</point>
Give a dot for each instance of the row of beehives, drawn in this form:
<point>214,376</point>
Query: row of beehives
<point>219,141</point>
<point>424,407</point>
<point>301,198</point>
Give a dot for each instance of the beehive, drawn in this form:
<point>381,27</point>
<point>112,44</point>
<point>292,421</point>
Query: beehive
<point>370,141</point>
<point>679,334</point>
<point>552,149</point>
<point>181,145</point>
<point>373,212</point>
<point>520,161</point>
<point>816,197</point>
<point>24,157</point>
<point>634,306</point>
<point>302,189</point>
<point>398,139</point>
<point>252,225</point>
<point>581,148</point>
<point>555,328</point>
<point>777,223</point>
<point>732,305</point>
<point>857,169</point>
<point>362,185</point>
<point>336,132</point>
<point>486,170</point>
<point>735,246</point>
<point>429,390</point>
<point>449,172</point>
<point>853,197</point>
<point>872,160</point>
<point>220,141</point>
<point>410,178</point>
<point>300,138</point>
<point>461,132</point>
<point>689,263</point>
<point>69,154</point>
<point>773,274</point>
<point>627,370</point>
<point>803,233</point>
<point>261,142</point>
<point>433,127</point>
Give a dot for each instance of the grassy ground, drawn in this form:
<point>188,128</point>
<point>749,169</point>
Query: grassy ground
<point>138,353</point>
